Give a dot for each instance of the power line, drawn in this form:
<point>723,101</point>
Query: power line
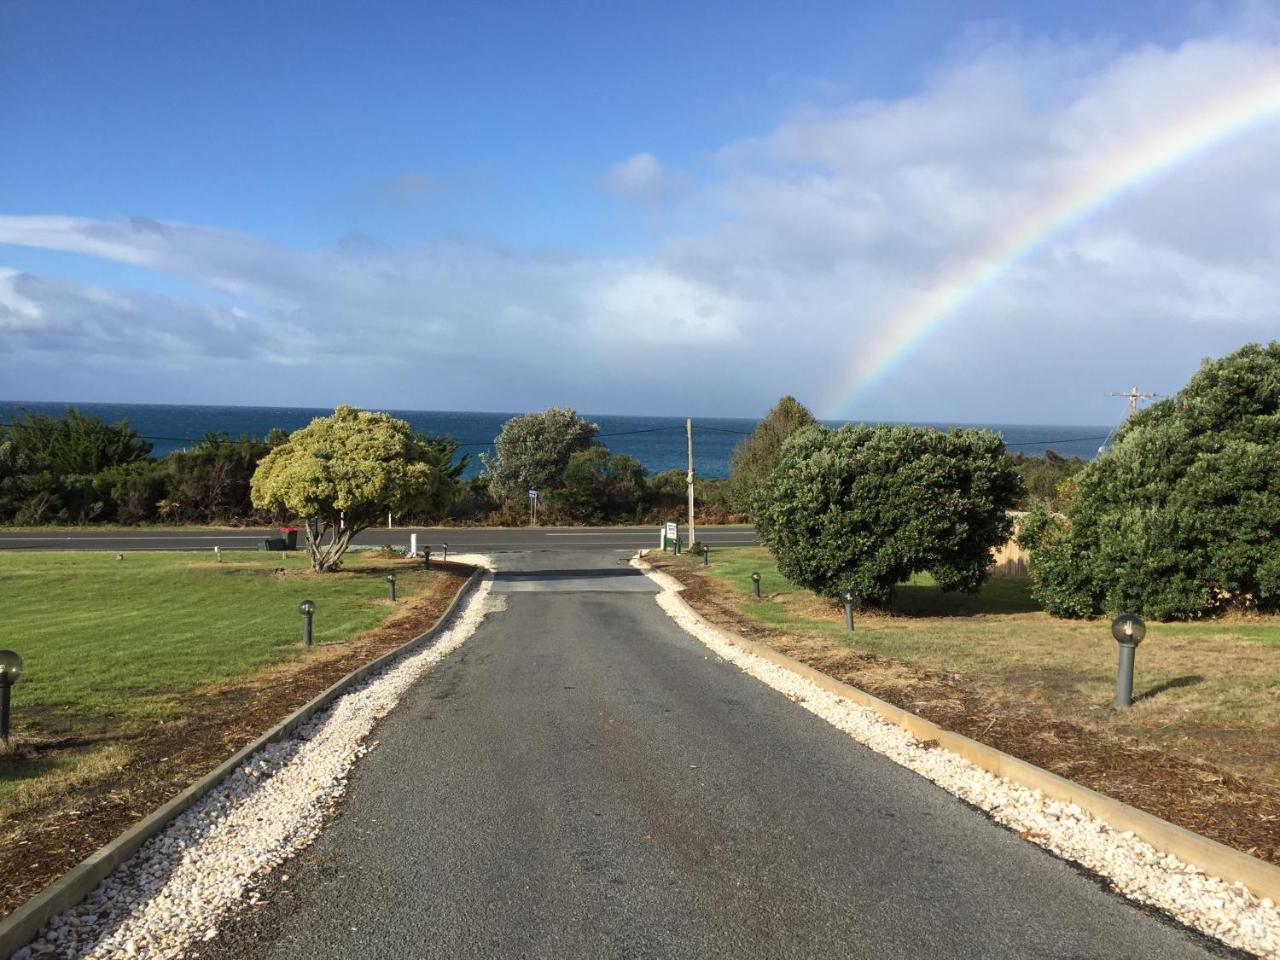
<point>1036,443</point>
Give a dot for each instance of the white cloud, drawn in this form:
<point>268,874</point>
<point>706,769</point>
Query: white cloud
<point>643,177</point>
<point>828,224</point>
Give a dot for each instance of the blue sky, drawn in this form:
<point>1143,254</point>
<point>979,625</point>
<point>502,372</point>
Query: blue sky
<point>505,206</point>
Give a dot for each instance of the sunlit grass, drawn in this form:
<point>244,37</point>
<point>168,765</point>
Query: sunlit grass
<point>107,640</point>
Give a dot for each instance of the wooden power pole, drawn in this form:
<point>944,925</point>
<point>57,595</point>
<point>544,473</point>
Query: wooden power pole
<point>1134,396</point>
<point>688,427</point>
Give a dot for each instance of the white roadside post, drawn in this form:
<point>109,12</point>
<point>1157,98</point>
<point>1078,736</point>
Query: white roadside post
<point>413,544</point>
<point>533,508</point>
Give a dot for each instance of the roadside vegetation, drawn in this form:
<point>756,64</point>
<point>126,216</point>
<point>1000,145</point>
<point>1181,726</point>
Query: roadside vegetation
<point>1181,519</point>
<point>143,673</point>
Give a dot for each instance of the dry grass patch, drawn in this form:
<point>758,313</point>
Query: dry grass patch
<point>1200,747</point>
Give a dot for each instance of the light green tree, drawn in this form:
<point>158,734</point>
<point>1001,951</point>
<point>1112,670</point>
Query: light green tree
<point>344,472</point>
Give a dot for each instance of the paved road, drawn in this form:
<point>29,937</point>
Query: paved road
<point>459,539</point>
<point>582,779</point>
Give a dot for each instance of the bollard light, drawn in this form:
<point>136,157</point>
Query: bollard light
<point>307,608</point>
<point>755,585</point>
<point>1128,629</point>
<point>426,556</point>
<point>848,610</point>
<point>445,548</point>
<point>706,554</point>
<point>10,671</point>
<point>391,586</point>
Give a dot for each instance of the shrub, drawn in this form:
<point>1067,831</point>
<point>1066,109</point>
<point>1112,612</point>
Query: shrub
<point>863,508</point>
<point>51,468</point>
<point>532,451</point>
<point>1047,478</point>
<point>1182,517</point>
<point>598,487</point>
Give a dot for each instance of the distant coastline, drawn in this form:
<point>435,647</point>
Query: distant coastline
<point>658,442</point>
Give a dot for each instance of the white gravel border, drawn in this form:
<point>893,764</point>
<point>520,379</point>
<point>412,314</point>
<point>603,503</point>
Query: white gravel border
<point>1229,912</point>
<point>173,893</point>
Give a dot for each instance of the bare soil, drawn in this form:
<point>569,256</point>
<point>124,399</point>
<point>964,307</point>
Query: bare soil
<point>144,771</point>
<point>1192,792</point>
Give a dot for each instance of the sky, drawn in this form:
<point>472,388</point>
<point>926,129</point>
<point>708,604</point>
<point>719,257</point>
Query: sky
<point>662,208</point>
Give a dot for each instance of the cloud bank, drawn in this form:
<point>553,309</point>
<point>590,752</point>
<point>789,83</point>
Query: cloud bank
<point>823,227</point>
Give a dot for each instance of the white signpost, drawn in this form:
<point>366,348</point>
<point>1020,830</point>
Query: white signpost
<point>669,534</point>
<point>533,508</point>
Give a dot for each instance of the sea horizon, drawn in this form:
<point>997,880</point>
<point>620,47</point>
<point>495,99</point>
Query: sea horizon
<point>656,440</point>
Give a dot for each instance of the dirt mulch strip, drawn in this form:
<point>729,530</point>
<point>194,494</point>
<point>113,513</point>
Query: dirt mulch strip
<point>49,839</point>
<point>1194,795</point>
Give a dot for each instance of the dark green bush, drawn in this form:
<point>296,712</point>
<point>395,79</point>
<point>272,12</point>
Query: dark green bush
<point>863,508</point>
<point>598,487</point>
<point>1182,517</point>
<point>52,468</point>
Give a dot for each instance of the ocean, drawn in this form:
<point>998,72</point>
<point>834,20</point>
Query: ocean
<point>657,442</point>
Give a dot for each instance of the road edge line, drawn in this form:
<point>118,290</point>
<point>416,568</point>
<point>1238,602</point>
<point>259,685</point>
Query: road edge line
<point>22,925</point>
<point>1213,858</point>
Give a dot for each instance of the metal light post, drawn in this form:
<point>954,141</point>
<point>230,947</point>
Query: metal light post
<point>307,608</point>
<point>445,547</point>
<point>391,586</point>
<point>706,554</point>
<point>755,585</point>
<point>848,610</point>
<point>1128,629</point>
<point>10,670</point>
<point>426,556</point>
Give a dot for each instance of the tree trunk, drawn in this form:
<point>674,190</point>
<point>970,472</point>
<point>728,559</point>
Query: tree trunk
<point>327,557</point>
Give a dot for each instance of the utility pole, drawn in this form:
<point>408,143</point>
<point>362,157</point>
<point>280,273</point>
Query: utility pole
<point>1134,396</point>
<point>688,427</point>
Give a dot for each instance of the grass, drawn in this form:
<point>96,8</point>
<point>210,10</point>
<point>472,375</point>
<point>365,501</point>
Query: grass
<point>1209,689</point>
<point>113,643</point>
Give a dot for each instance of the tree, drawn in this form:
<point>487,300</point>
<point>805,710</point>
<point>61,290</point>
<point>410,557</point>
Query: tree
<point>211,482</point>
<point>51,468</point>
<point>863,508</point>
<point>1047,478</point>
<point>532,451</point>
<point>756,457</point>
<point>598,487</point>
<point>344,472</point>
<point>1181,518</point>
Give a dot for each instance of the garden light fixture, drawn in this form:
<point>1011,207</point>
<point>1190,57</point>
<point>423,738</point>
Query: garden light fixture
<point>391,586</point>
<point>10,671</point>
<point>848,610</point>
<point>1129,630</point>
<point>307,608</point>
<point>755,585</point>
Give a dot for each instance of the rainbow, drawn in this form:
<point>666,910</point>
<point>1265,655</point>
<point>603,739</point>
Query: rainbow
<point>1168,148</point>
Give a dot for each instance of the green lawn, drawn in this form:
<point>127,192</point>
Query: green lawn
<point>110,642</point>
